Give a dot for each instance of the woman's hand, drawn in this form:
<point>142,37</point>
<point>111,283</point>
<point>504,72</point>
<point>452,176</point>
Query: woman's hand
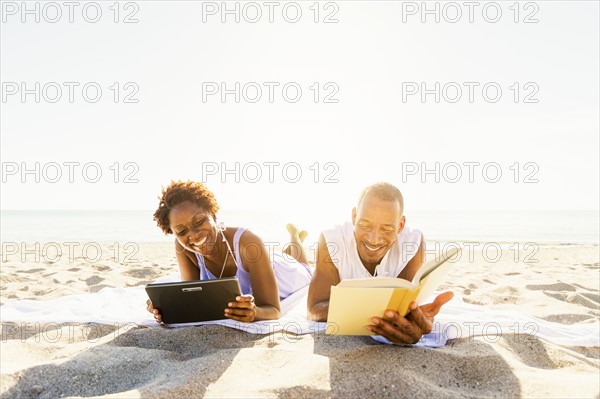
<point>242,309</point>
<point>155,312</point>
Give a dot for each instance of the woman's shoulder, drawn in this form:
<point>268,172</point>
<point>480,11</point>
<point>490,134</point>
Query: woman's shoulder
<point>246,236</point>
<point>180,250</point>
<point>250,247</point>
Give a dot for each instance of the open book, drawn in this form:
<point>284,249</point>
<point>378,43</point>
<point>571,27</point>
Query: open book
<point>354,302</point>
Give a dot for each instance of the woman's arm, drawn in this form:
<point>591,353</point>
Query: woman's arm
<point>257,262</point>
<point>188,264</point>
<point>326,275</point>
<point>188,268</point>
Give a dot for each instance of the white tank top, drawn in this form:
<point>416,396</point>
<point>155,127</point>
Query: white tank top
<point>344,254</point>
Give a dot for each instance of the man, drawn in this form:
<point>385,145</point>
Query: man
<point>376,243</point>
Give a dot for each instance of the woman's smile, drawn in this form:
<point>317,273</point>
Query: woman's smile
<point>198,244</point>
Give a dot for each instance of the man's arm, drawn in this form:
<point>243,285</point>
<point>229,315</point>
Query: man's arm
<point>326,275</point>
<point>415,263</point>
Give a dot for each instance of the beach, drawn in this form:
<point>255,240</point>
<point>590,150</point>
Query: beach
<point>559,284</point>
<point>475,123</point>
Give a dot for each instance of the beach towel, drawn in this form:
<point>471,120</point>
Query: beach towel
<point>457,319</point>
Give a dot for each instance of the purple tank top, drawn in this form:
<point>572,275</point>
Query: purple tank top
<point>290,274</point>
<point>242,275</point>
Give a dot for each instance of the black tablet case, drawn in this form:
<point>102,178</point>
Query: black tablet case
<point>193,301</point>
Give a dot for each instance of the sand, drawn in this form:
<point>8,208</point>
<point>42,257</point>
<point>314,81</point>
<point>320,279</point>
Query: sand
<point>82,360</point>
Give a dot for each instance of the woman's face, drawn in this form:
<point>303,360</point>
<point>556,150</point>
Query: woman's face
<point>194,227</point>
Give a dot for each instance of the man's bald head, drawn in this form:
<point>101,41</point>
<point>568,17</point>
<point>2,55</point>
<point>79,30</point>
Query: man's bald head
<point>384,192</point>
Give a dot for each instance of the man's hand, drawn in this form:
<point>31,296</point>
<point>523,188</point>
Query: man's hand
<point>405,331</point>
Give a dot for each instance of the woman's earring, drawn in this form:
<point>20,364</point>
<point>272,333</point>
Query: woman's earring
<point>221,228</point>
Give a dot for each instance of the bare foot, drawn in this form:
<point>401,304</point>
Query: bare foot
<point>294,233</point>
<point>295,248</point>
<point>302,235</point>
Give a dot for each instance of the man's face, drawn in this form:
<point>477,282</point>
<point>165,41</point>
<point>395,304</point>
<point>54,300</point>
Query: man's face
<point>376,226</point>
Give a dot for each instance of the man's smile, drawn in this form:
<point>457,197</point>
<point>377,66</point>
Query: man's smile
<point>371,248</point>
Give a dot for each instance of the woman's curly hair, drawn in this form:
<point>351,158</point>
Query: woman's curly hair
<point>182,191</point>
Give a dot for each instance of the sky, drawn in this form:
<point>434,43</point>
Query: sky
<point>296,116</point>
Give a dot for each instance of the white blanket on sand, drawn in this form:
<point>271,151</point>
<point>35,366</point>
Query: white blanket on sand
<point>457,319</point>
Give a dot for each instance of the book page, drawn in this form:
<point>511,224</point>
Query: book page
<point>406,300</point>
<point>433,264</point>
<point>377,282</point>
<point>432,282</point>
<point>350,316</point>
<point>398,298</point>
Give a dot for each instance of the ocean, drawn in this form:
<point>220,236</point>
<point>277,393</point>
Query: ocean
<point>504,227</point>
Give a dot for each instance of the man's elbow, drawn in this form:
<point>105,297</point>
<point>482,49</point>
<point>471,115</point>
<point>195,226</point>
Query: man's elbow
<point>312,316</point>
<point>316,312</point>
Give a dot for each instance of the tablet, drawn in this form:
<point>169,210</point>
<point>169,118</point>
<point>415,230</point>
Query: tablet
<point>193,301</point>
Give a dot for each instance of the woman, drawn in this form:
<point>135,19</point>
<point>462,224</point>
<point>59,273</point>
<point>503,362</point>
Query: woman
<point>206,250</point>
